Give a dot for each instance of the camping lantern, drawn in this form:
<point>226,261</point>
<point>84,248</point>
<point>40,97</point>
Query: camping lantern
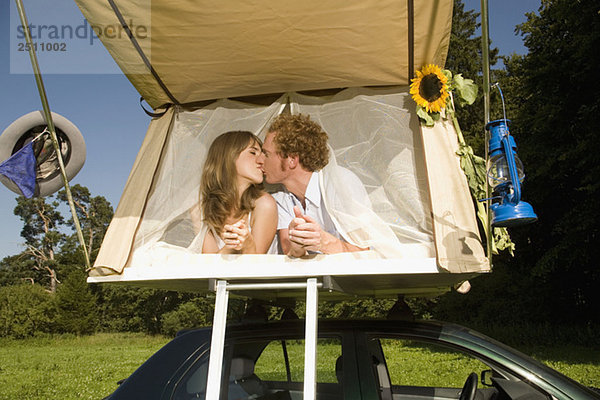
<point>505,174</point>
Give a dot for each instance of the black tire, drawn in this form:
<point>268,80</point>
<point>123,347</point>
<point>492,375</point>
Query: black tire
<point>71,143</point>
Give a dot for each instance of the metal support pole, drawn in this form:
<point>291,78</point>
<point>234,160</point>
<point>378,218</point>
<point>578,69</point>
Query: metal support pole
<point>310,340</point>
<point>485,54</point>
<point>50,122</point>
<point>217,344</point>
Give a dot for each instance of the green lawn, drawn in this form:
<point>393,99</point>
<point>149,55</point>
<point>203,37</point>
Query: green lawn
<point>68,367</point>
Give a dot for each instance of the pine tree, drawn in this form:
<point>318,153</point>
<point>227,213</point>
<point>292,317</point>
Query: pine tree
<point>76,305</point>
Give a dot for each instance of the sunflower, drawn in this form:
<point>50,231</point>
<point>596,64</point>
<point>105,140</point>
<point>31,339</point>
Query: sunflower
<point>430,88</point>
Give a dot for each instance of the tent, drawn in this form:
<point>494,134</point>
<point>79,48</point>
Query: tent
<point>206,68</point>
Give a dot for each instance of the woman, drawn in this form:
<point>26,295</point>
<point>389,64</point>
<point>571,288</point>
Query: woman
<point>241,217</point>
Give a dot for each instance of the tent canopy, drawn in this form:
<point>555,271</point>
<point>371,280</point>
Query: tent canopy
<point>183,52</point>
<point>199,55</point>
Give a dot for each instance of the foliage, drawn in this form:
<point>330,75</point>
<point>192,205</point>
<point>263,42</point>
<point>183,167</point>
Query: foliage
<point>48,247</point>
<point>193,313</point>
<point>94,214</point>
<point>41,222</point>
<point>464,56</point>
<point>19,269</point>
<point>366,308</point>
<point>552,101</point>
<point>76,305</point>
<point>553,90</point>
<point>25,310</point>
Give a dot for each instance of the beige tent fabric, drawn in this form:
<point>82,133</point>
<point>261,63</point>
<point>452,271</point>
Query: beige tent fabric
<point>419,206</point>
<point>204,50</point>
<point>119,237</point>
<point>457,241</point>
<point>377,143</point>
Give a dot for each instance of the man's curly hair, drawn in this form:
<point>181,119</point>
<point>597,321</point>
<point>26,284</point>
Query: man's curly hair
<point>298,135</point>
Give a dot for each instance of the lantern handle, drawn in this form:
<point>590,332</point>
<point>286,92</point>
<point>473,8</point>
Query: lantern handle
<point>508,151</point>
<point>497,86</point>
<point>512,168</point>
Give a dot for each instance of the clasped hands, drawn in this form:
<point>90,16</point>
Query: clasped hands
<point>305,234</point>
<point>236,235</point>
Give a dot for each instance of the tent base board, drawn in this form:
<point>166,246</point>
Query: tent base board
<point>379,278</point>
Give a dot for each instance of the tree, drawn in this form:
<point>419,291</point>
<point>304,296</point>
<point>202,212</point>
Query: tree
<point>464,57</point>
<point>552,101</point>
<point>555,88</point>
<point>190,314</point>
<point>76,305</point>
<point>41,221</point>
<point>24,310</point>
<point>19,269</point>
<point>94,214</point>
<point>131,309</point>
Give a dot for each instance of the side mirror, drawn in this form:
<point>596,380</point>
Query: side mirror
<point>486,377</point>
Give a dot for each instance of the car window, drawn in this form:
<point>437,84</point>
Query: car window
<point>271,364</point>
<point>259,370</point>
<point>193,383</point>
<point>414,363</point>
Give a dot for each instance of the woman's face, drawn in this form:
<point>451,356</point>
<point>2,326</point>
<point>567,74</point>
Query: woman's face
<point>249,164</point>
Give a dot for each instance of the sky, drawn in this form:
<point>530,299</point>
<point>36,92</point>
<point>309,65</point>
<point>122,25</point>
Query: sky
<point>84,85</point>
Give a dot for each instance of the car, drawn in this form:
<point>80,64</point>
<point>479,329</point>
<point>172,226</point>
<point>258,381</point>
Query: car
<point>356,359</point>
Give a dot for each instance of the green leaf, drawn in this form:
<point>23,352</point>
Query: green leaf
<point>466,89</point>
<point>426,117</point>
<point>448,75</point>
<point>474,169</point>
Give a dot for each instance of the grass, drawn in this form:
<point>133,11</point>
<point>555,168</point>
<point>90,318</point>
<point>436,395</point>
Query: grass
<point>577,362</point>
<point>69,367</point>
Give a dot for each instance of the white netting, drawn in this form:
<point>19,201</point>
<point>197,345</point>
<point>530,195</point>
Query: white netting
<point>372,133</point>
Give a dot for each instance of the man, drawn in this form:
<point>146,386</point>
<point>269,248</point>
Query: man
<point>295,151</point>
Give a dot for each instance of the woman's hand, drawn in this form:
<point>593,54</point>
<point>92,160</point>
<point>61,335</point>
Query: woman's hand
<point>237,236</point>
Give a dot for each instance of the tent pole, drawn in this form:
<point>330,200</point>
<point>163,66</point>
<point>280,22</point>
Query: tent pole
<point>50,122</point>
<point>485,54</point>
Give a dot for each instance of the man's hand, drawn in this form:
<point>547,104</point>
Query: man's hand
<point>304,234</point>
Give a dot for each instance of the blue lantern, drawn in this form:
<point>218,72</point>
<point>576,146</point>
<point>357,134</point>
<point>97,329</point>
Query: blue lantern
<point>505,174</point>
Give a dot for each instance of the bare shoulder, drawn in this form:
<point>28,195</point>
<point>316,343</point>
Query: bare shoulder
<point>265,203</point>
<point>265,213</point>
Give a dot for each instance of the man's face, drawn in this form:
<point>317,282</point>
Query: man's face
<point>274,166</point>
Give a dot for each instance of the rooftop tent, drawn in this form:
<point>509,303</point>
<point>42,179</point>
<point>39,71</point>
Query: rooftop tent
<point>237,66</point>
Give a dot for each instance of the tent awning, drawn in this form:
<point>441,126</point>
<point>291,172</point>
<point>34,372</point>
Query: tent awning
<point>182,52</point>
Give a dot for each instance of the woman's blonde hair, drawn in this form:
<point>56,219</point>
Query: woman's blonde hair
<point>218,190</point>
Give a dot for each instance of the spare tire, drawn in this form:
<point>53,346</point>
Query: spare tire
<point>71,145</point>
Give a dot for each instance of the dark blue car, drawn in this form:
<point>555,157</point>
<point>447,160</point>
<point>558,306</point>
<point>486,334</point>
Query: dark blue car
<point>356,360</point>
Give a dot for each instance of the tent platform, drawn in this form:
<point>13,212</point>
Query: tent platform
<point>343,276</point>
